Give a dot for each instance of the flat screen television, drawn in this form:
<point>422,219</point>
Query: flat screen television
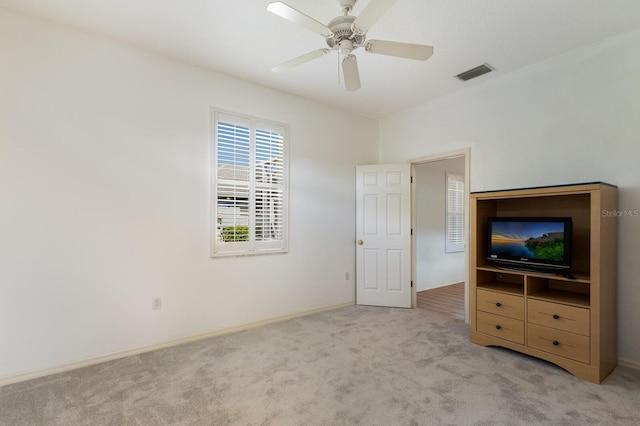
<point>530,243</point>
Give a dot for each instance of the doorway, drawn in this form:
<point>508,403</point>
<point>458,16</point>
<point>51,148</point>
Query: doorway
<point>440,233</point>
<point>448,299</point>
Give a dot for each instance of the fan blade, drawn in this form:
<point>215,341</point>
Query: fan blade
<point>370,15</point>
<point>287,12</point>
<point>420,52</point>
<point>300,60</point>
<point>350,72</point>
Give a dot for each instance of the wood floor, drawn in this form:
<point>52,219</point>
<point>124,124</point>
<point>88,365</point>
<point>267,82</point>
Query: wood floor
<point>448,299</point>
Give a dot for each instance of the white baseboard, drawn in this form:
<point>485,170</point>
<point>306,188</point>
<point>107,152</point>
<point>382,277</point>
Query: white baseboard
<point>34,374</point>
<point>629,364</point>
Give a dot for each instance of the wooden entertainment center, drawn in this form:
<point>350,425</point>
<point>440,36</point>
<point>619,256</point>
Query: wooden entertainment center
<point>569,321</point>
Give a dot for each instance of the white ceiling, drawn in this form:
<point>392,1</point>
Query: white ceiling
<point>241,38</point>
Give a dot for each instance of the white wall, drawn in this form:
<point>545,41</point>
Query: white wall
<point>570,119</point>
<point>434,267</point>
<point>104,192</point>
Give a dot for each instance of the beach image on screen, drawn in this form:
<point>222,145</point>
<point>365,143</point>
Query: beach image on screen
<point>531,240</point>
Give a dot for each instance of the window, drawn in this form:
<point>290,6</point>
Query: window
<point>249,175</point>
<point>455,213</point>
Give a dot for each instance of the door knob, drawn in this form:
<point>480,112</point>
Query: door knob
<point>360,242</point>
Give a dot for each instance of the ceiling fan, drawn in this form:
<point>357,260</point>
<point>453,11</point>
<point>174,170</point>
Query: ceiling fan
<point>347,33</point>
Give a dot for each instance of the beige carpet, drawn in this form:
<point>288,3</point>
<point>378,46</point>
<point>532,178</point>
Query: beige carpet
<point>351,366</point>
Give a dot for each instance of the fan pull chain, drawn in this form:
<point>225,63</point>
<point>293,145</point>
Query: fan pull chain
<point>338,69</point>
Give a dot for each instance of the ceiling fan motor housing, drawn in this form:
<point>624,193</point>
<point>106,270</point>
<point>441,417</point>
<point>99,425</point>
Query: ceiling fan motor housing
<point>341,29</point>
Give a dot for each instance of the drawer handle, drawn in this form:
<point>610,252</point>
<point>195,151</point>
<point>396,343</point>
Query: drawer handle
<point>556,316</point>
<point>498,327</point>
<point>498,304</point>
<point>555,343</point>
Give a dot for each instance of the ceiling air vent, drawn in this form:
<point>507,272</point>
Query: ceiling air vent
<point>475,72</point>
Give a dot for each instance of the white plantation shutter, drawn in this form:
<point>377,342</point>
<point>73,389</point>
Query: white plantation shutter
<point>249,212</point>
<point>455,213</point>
<point>269,186</point>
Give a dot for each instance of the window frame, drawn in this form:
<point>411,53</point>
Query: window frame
<point>456,211</point>
<point>252,246</point>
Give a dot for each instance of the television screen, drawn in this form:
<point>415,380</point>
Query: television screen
<point>538,242</point>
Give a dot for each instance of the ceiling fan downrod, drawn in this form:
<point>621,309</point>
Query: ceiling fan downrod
<point>346,6</point>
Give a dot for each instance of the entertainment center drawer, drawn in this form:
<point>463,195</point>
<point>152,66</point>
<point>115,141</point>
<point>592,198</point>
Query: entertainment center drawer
<point>502,327</point>
<point>501,304</point>
<point>561,317</point>
<point>568,345</point>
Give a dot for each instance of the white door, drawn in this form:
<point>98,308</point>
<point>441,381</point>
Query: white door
<point>383,235</point>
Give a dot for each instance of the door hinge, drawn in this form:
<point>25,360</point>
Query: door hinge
<point>411,284</point>
<point>411,231</point>
<point>411,179</point>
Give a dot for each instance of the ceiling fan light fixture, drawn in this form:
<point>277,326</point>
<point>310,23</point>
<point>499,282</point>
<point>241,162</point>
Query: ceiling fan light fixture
<point>345,47</point>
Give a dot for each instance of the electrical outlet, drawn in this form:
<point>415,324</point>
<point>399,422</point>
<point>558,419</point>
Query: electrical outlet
<point>156,303</point>
<point>346,276</point>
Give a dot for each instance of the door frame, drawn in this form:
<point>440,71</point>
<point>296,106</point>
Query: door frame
<point>466,153</point>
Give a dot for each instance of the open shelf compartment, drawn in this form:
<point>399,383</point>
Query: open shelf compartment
<point>496,280</point>
<point>559,290</point>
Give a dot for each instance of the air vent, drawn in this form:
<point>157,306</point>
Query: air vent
<point>475,72</point>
